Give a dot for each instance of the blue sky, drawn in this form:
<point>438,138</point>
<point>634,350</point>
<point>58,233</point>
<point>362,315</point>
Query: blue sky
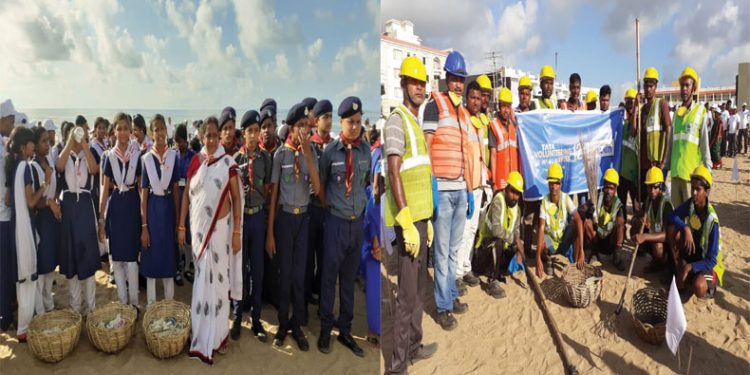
<point>187,54</point>
<point>595,38</point>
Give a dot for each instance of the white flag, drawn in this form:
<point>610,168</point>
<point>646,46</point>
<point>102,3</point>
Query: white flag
<point>676,323</point>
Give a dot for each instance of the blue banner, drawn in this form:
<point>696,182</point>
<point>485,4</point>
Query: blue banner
<point>548,136</point>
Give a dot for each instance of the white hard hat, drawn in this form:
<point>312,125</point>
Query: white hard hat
<point>7,109</point>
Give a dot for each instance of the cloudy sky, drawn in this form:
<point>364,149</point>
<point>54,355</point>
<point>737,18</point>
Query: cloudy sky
<point>186,54</point>
<point>595,38</point>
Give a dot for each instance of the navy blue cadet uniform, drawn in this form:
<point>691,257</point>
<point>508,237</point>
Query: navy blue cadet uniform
<point>255,173</point>
<point>317,218</point>
<point>344,231</point>
<point>292,178</point>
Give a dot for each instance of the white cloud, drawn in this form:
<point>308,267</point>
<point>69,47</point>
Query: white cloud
<point>263,30</point>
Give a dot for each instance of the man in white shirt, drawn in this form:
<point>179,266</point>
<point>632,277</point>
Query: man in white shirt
<point>725,120</point>
<point>732,132</point>
<point>743,125</point>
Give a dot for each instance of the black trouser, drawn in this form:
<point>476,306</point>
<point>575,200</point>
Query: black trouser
<point>315,251</point>
<point>407,321</point>
<point>742,141</point>
<point>625,189</point>
<point>291,257</point>
<point>253,254</point>
<point>731,144</point>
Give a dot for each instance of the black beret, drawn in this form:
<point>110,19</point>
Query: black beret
<point>249,118</point>
<point>309,103</point>
<point>269,102</point>
<point>322,107</point>
<point>349,107</point>
<point>266,113</point>
<point>80,120</point>
<point>227,114</point>
<point>296,113</point>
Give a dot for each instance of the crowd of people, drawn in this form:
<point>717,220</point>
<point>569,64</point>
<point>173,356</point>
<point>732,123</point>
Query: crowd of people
<point>454,186</point>
<point>244,212</point>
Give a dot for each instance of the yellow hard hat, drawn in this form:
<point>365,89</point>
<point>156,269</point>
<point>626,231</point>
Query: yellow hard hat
<point>654,176</point>
<point>505,95</point>
<point>554,173</point>
<point>525,81</point>
<point>547,72</point>
<point>515,180</point>
<point>703,173</point>
<point>630,93</point>
<point>591,96</point>
<point>412,67</point>
<point>651,73</point>
<point>484,82</point>
<point>611,176</point>
<point>690,72</point>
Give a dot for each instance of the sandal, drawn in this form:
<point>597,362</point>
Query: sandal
<point>373,340</point>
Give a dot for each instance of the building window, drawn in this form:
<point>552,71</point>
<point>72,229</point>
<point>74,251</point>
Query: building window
<point>398,55</point>
<point>396,73</point>
<point>436,63</point>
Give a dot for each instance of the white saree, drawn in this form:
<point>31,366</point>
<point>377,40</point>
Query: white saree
<point>218,271</point>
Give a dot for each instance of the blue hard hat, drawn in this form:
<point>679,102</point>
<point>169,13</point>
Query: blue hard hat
<point>455,64</point>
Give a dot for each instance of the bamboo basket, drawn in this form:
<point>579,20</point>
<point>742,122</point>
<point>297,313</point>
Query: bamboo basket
<point>49,346</point>
<point>167,346</point>
<point>111,340</point>
<point>649,314</point>
<point>582,286</point>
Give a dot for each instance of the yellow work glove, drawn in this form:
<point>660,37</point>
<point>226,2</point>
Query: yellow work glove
<point>430,233</point>
<point>411,235</point>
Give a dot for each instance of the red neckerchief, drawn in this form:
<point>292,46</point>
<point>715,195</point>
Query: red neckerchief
<point>250,159</point>
<point>375,145</point>
<point>161,157</point>
<point>316,138</point>
<point>349,161</point>
<point>124,157</point>
<point>290,145</point>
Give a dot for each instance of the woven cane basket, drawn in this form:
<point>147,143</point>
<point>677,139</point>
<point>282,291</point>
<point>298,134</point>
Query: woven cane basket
<point>649,314</point>
<point>53,335</point>
<point>582,286</point>
<point>167,346</point>
<point>111,340</point>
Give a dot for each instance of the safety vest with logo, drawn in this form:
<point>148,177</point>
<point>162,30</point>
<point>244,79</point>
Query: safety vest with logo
<point>656,215</point>
<point>656,139</point>
<point>686,154</point>
<point>705,230</point>
<point>416,173</point>
<point>629,166</point>
<point>451,141</point>
<point>506,152</point>
<point>607,219</point>
<point>540,104</point>
<point>507,216</point>
<point>557,218</point>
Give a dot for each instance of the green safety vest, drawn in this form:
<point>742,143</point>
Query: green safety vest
<point>655,136</point>
<point>705,230</point>
<point>629,167</point>
<point>557,218</point>
<point>607,220</point>
<point>656,216</point>
<point>416,172</point>
<point>686,153</point>
<point>485,138</point>
<point>508,220</point>
<point>540,104</point>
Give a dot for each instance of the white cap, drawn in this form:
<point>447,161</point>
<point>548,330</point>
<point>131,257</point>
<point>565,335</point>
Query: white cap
<point>22,120</point>
<point>49,124</point>
<point>744,104</point>
<point>7,109</point>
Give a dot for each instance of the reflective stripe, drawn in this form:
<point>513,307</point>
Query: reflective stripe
<point>412,138</point>
<point>415,161</point>
<point>686,137</point>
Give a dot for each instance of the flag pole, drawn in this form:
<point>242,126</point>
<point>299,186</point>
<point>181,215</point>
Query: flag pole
<point>690,360</point>
<point>638,105</point>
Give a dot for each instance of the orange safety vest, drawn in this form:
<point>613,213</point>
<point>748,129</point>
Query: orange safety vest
<point>451,141</point>
<point>506,151</point>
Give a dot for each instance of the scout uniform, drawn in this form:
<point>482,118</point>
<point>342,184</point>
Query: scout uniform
<point>345,172</point>
<point>254,171</point>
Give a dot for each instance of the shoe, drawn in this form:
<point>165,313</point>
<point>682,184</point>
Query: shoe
<point>112,278</point>
<point>301,340</point>
<point>278,340</point>
<point>470,279</point>
<point>424,352</point>
<point>324,343</point>
<point>496,290</point>
<point>460,307</point>
<point>259,332</point>
<point>247,304</point>
<point>348,341</point>
<point>21,338</point>
<point>463,290</point>
<point>447,321</point>
<point>314,300</point>
<point>189,276</point>
<point>234,333</point>
<point>178,280</point>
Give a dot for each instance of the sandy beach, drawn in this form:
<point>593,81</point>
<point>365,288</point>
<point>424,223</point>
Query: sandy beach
<point>247,355</point>
<point>509,335</point>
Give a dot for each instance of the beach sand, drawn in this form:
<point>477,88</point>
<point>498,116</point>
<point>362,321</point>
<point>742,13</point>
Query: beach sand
<point>510,336</point>
<point>247,355</point>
